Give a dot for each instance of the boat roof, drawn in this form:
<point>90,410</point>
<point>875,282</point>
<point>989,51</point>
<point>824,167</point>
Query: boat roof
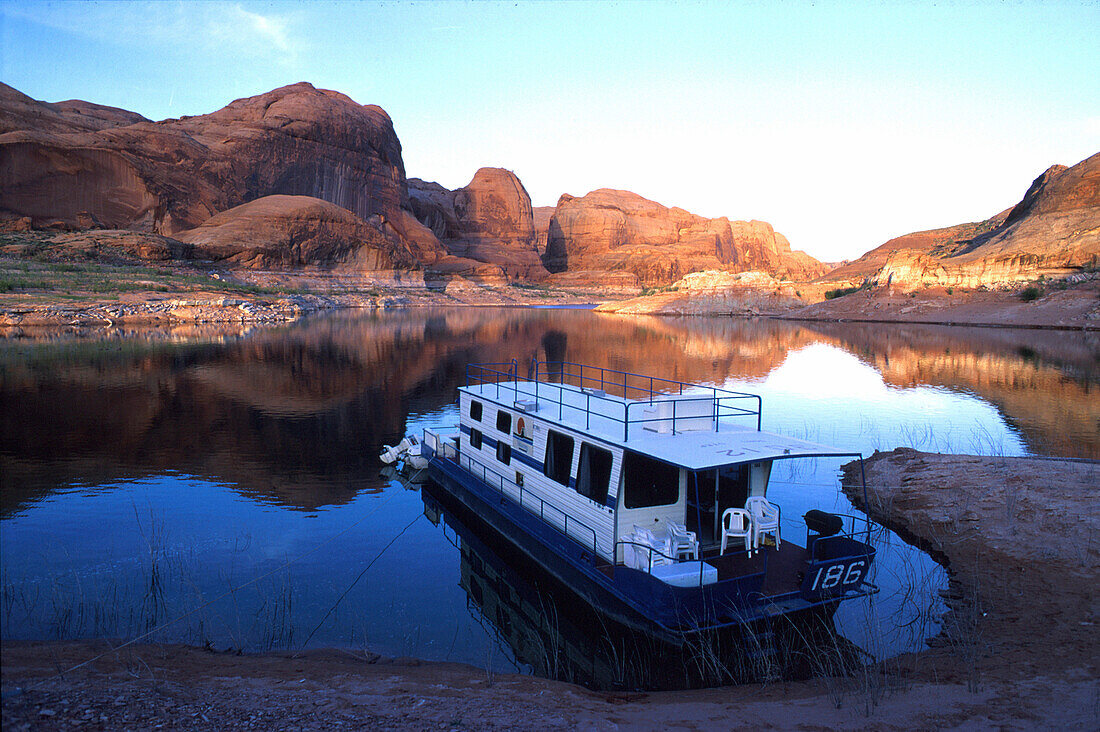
<point>729,446</point>
<point>706,443</point>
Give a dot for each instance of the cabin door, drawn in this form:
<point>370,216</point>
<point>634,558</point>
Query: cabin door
<point>702,505</point>
<point>719,489</point>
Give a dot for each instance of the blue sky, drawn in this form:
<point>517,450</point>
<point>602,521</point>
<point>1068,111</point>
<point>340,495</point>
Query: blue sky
<point>842,124</point>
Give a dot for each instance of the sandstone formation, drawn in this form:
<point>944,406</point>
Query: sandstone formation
<point>293,231</point>
<point>714,292</point>
<point>489,221</point>
<point>542,216</point>
<point>23,113</point>
<point>99,245</point>
<point>1053,231</point>
<point>610,230</point>
<point>64,161</point>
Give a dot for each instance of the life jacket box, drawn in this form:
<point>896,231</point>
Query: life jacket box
<point>685,574</point>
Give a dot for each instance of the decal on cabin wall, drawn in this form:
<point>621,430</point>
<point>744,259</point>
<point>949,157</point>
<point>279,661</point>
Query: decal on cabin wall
<point>520,440</point>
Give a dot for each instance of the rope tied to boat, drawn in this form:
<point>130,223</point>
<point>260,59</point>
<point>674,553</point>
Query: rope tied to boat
<point>227,593</point>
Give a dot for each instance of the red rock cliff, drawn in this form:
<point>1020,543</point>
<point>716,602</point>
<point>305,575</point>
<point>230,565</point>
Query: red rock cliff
<point>1054,230</point>
<point>616,231</point>
<point>58,161</point>
<point>488,221</point>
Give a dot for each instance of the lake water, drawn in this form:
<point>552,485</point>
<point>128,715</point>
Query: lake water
<point>220,486</point>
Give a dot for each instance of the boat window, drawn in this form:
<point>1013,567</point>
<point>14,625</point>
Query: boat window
<point>648,482</point>
<point>504,421</point>
<point>475,439</point>
<point>594,472</point>
<point>475,411</point>
<point>559,456</point>
<point>504,452</point>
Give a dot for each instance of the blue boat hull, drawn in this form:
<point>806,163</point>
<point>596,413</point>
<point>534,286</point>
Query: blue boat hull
<point>628,596</point>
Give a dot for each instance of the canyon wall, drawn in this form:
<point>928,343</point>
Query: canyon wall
<point>69,163</point>
<point>248,183</point>
<point>489,221</point>
<point>610,231</point>
<point>1053,231</point>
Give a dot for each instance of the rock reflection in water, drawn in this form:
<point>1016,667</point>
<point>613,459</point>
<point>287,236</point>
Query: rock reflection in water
<point>295,415</point>
<point>556,634</point>
<point>267,438</point>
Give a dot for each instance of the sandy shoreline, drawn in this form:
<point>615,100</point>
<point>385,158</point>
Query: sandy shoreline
<point>1075,307</point>
<point>100,294</point>
<point>1080,311</point>
<point>1020,538</point>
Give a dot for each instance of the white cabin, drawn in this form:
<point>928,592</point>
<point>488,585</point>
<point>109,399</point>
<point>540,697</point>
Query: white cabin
<point>598,455</point>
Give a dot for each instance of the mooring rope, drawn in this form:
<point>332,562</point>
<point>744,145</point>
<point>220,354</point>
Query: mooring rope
<point>356,580</point>
<point>229,592</point>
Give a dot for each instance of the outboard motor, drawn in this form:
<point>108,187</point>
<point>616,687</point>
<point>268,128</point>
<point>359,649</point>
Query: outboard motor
<point>823,524</point>
<point>391,454</point>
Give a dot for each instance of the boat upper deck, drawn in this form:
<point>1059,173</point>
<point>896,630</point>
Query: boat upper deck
<point>689,425</point>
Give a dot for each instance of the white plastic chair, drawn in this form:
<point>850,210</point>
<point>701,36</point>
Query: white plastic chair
<point>765,519</point>
<point>737,524</point>
<point>682,542</point>
<point>652,551</point>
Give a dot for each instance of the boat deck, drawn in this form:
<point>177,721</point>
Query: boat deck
<point>785,567</point>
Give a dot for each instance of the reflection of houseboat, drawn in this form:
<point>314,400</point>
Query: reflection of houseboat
<point>554,638</point>
<point>522,606</point>
<point>640,495</point>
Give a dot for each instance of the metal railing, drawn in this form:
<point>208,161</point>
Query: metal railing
<point>495,480</point>
<point>635,391</point>
<point>652,550</point>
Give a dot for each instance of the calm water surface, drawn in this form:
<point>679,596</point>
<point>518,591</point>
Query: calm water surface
<point>221,486</point>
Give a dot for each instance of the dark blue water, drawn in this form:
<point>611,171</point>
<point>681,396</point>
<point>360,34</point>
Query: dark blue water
<point>222,487</point>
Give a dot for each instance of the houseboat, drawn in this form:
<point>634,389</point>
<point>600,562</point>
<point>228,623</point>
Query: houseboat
<point>646,496</point>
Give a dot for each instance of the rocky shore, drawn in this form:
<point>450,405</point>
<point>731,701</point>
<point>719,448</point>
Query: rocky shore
<point>216,308</point>
<point>91,293</point>
<point>1071,304</point>
<point>1018,648</point>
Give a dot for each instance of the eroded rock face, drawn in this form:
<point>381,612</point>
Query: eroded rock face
<point>541,216</point>
<point>292,231</point>
<point>488,222</point>
<point>57,161</point>
<point>1054,230</point>
<point>714,292</point>
<point>23,113</point>
<point>610,230</point>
